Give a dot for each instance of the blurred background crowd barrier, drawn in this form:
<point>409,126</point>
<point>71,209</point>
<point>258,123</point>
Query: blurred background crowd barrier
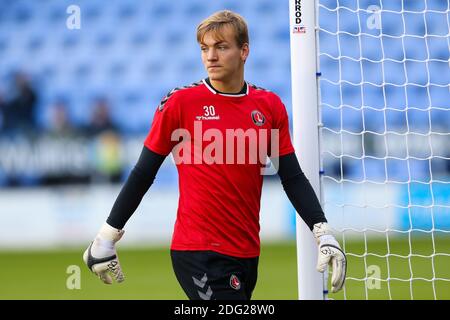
<point>77,100</point>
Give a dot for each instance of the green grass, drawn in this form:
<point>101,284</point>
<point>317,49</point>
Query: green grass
<point>398,267</point>
<point>149,275</point>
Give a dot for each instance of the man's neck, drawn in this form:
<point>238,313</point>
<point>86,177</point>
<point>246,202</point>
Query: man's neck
<point>231,87</point>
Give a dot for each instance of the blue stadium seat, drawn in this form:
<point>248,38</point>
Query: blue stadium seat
<point>349,4</point>
<point>417,48</point>
<point>435,21</point>
<point>348,21</point>
<point>397,170</point>
<point>161,11</point>
<point>394,73</point>
<point>374,96</point>
<point>396,97</point>
<point>391,23</point>
<point>194,9</point>
<point>353,169</point>
<point>437,5</point>
<point>55,14</point>
<point>374,169</point>
<point>373,72</point>
<point>374,120</point>
<point>281,35</point>
<point>440,96</point>
<point>135,52</point>
<point>22,14</point>
<point>126,11</point>
<point>417,73</point>
<point>350,45</point>
<point>266,7</point>
<point>437,74</point>
<point>329,68</point>
<point>104,40</point>
<point>328,20</point>
<point>352,119</point>
<point>371,48</point>
<point>35,42</point>
<point>419,170</point>
<point>415,6</point>
<point>329,4</point>
<point>414,24</point>
<point>438,48</point>
<point>418,97</point>
<point>328,44</point>
<point>396,120</point>
<point>393,49</point>
<point>351,71</point>
<point>418,120</point>
<point>440,120</point>
<point>4,45</point>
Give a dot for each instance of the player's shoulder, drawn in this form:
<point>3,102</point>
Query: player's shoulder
<point>263,93</point>
<point>178,93</point>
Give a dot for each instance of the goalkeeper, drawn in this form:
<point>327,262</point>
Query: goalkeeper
<point>215,245</point>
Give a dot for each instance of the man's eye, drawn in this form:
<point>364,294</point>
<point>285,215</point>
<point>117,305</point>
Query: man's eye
<point>222,48</point>
<point>203,49</point>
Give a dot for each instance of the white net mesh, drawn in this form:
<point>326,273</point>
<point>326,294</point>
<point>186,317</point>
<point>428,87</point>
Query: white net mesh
<point>385,109</point>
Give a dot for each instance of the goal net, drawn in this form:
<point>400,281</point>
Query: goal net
<point>385,144</point>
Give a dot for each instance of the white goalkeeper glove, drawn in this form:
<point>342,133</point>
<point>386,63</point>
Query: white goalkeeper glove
<point>101,256</point>
<point>330,253</point>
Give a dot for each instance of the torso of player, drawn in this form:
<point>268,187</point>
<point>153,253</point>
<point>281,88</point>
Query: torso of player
<point>226,129</point>
<point>225,140</point>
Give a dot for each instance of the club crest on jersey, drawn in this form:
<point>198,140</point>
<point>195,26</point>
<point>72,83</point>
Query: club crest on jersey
<point>258,118</point>
<point>234,282</point>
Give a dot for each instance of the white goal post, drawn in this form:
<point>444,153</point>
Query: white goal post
<point>306,133</point>
<point>371,128</point>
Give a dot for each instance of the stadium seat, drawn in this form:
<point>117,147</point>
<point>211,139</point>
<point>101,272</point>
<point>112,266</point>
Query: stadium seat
<point>418,97</point>
<point>348,21</point>
<point>350,46</point>
<point>394,72</point>
<point>22,14</point>
<point>329,68</point>
<point>373,72</point>
<point>135,55</point>
<point>4,44</point>
<point>351,71</point>
<point>436,74</point>
<point>374,120</point>
<point>374,169</point>
<point>418,121</point>
<point>397,170</point>
<point>328,20</point>
<point>374,96</point>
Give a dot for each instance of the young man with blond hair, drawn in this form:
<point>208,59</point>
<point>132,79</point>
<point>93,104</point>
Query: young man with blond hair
<point>220,131</point>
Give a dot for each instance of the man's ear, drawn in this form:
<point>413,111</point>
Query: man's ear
<point>245,51</point>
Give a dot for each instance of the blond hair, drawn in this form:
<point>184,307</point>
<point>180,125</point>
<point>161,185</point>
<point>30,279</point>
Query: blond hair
<point>218,20</point>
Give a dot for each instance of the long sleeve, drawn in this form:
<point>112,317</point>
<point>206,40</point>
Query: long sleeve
<point>134,189</point>
<point>299,190</point>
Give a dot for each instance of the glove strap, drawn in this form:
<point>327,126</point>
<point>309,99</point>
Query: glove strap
<point>109,233</point>
<point>321,229</point>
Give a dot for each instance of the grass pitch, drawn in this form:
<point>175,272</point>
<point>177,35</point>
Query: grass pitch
<point>149,275</point>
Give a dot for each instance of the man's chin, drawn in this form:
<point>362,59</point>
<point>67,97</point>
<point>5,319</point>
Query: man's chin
<point>215,76</point>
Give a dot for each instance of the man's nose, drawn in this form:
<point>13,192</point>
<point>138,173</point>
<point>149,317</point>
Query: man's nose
<point>212,54</point>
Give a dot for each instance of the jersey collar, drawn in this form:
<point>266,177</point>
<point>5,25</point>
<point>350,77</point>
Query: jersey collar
<point>243,92</point>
